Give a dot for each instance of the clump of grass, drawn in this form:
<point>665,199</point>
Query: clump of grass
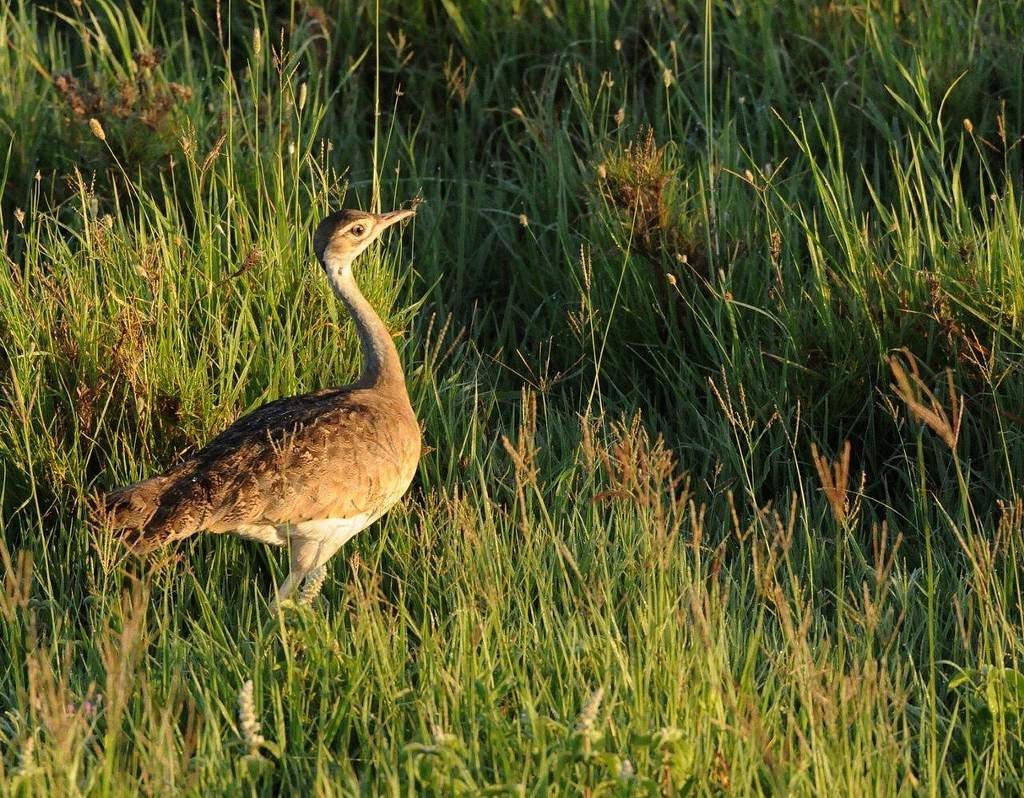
<point>136,117</point>
<point>649,195</point>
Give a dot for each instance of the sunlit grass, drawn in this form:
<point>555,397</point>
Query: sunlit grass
<point>713,320</point>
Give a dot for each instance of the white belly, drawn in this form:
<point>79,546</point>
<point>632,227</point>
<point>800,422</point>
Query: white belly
<point>330,531</point>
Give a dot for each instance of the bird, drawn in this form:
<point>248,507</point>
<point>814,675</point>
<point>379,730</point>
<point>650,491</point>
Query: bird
<point>308,472</point>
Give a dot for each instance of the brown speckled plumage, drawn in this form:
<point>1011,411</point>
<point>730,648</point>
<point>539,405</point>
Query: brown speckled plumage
<point>308,471</point>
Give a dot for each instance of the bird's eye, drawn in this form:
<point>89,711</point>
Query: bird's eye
<point>358,230</point>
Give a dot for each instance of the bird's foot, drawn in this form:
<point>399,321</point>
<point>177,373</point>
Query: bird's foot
<point>311,583</point>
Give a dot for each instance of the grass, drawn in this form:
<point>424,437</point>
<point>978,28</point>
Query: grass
<point>713,316</point>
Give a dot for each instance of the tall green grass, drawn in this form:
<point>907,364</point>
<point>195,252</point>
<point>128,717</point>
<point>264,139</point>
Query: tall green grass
<point>712,315</point>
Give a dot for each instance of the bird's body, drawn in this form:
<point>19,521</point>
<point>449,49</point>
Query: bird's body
<point>305,471</point>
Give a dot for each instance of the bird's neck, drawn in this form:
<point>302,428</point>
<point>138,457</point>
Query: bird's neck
<point>381,366</point>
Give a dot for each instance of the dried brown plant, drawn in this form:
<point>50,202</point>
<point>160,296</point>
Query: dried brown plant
<point>922,402</point>
<point>834,478</point>
<point>458,77</point>
<point>643,186</point>
<point>636,467</point>
<point>642,472</point>
<point>960,339</point>
<point>139,118</point>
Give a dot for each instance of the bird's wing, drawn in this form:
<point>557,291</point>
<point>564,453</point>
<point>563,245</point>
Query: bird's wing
<point>333,453</point>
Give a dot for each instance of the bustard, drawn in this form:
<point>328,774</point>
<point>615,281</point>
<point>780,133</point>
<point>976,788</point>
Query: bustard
<point>305,471</point>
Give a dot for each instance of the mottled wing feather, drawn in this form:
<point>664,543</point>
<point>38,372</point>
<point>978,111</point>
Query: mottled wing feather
<point>332,453</point>
<point>295,470</point>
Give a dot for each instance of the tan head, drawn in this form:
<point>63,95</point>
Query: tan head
<point>344,234</point>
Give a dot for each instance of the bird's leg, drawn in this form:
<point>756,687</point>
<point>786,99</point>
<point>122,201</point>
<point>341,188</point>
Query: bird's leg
<point>295,576</point>
<point>307,556</point>
<point>288,586</point>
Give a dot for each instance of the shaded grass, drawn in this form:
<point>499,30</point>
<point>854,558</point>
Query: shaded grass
<point>677,530</point>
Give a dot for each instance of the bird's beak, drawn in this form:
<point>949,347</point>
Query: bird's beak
<point>385,220</point>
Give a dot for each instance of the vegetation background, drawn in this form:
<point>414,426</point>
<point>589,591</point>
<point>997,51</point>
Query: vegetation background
<point>713,315</point>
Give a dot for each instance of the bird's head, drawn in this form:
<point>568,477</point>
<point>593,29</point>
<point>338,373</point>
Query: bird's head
<point>344,234</point>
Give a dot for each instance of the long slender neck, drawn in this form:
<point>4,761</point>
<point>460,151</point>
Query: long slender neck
<point>381,366</point>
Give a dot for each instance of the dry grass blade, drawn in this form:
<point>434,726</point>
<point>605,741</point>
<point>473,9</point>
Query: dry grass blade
<point>922,402</point>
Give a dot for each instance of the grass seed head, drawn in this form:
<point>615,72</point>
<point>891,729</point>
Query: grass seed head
<point>26,762</point>
<point>585,731</point>
<point>776,247</point>
<point>834,479</point>
<point>312,586</point>
<point>249,725</point>
<point>923,403</point>
<point>588,714</point>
